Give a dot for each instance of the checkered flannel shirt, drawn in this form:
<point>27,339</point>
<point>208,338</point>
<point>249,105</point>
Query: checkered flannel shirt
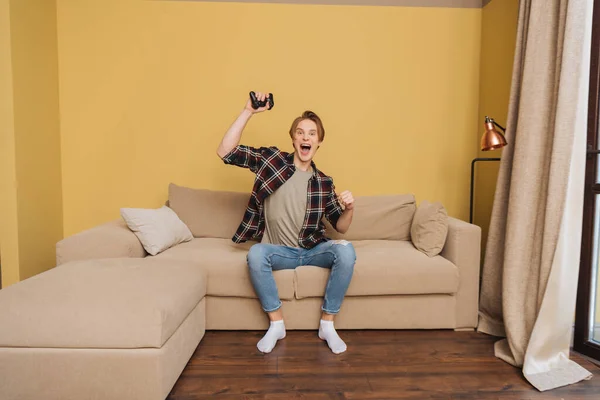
<point>273,168</point>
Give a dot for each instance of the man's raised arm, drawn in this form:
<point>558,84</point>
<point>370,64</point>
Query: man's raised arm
<point>234,133</point>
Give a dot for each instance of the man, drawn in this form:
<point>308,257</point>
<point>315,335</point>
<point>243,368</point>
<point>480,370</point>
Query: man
<point>289,199</point>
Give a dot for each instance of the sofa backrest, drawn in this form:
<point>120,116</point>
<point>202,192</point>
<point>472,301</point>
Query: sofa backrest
<point>210,213</point>
<point>383,217</point>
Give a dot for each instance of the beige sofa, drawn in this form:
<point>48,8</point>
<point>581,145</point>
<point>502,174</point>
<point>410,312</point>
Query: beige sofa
<point>113,321</point>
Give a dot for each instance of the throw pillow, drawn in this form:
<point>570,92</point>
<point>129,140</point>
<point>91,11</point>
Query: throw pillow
<point>157,229</point>
<point>429,228</point>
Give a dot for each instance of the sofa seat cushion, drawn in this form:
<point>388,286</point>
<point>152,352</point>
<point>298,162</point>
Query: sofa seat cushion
<point>104,303</point>
<point>226,267</point>
<point>385,267</point>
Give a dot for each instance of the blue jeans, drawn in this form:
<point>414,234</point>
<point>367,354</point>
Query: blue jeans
<point>339,256</point>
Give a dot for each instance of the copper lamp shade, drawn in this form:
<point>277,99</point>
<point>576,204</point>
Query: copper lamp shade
<point>492,139</point>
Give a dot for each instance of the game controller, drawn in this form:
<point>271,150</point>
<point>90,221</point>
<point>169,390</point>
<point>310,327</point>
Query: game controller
<point>257,103</point>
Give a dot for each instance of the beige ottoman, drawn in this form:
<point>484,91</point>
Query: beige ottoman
<point>101,329</point>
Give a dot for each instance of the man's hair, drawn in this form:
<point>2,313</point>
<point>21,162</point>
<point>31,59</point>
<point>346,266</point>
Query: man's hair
<point>313,117</point>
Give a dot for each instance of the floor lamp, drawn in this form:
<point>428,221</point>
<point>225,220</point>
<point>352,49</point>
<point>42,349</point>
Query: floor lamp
<point>491,140</point>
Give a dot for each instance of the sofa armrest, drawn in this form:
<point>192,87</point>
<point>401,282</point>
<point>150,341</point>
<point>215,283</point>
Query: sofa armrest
<point>463,249</point>
<point>110,240</point>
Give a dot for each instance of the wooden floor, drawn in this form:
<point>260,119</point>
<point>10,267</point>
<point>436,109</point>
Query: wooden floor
<point>377,365</point>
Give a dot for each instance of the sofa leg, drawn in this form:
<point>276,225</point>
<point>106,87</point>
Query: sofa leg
<point>464,329</point>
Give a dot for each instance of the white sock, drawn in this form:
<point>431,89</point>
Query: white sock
<point>327,332</point>
<point>276,332</point>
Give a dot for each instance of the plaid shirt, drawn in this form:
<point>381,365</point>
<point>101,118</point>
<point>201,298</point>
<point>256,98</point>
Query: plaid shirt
<point>273,168</point>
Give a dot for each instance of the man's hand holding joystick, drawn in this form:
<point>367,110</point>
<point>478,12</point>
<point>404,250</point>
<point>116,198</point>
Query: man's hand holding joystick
<point>259,102</point>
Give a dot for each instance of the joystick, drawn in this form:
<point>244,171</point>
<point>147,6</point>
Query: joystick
<point>257,103</point>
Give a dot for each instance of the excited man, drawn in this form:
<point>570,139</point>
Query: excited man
<point>289,198</point>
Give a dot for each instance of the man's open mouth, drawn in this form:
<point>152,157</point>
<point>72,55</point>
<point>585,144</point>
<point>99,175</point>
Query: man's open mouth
<point>305,148</point>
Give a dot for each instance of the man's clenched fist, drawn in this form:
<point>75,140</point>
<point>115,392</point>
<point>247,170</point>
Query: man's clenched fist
<point>346,199</point>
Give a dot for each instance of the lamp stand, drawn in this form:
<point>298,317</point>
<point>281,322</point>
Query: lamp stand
<point>472,175</point>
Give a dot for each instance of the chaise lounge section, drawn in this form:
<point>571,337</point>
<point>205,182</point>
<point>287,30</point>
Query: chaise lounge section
<point>121,328</point>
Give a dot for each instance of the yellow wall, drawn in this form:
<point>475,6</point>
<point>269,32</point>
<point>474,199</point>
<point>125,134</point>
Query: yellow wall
<point>498,36</point>
<point>9,240</point>
<point>32,183</point>
<point>147,89</point>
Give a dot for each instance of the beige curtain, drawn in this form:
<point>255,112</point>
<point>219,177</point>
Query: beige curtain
<point>529,277</point>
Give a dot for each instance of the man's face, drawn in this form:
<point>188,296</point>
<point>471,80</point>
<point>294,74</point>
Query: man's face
<point>306,140</point>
